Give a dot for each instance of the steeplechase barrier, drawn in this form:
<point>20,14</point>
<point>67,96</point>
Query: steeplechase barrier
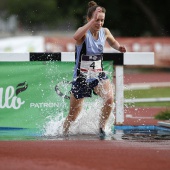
<point>119,61</point>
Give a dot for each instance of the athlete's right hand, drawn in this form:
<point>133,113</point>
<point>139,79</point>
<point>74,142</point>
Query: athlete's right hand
<point>96,13</point>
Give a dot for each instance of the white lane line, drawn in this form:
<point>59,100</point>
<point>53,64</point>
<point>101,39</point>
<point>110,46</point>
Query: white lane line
<point>138,117</point>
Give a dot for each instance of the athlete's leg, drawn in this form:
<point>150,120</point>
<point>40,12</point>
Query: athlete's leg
<point>75,108</point>
<point>105,91</point>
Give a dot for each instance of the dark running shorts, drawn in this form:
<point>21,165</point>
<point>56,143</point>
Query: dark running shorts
<point>82,88</point>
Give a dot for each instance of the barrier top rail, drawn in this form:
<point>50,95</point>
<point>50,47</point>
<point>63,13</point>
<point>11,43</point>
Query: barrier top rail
<point>128,58</point>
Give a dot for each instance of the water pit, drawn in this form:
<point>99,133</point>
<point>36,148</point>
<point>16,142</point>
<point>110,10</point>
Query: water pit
<point>142,133</point>
<point>139,133</point>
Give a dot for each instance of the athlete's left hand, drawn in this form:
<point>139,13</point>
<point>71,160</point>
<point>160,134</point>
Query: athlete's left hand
<point>122,49</point>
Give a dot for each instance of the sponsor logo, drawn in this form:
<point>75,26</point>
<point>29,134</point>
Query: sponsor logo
<point>100,48</point>
<point>10,94</point>
<point>43,105</point>
<point>93,58</point>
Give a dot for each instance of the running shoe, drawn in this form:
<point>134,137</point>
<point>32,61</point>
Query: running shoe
<point>102,134</point>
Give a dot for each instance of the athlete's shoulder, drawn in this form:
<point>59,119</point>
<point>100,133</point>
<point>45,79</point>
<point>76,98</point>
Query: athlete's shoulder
<point>107,31</point>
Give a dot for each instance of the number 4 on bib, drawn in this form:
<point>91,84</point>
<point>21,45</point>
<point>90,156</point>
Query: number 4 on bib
<point>92,65</point>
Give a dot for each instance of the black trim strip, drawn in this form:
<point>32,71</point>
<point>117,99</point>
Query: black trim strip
<point>117,58</point>
<point>45,56</point>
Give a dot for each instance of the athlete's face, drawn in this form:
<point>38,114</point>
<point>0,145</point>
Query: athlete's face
<point>99,21</point>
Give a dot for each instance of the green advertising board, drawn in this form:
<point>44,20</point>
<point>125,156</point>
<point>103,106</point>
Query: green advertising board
<point>31,92</point>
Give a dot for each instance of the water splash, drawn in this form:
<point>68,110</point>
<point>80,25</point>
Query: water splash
<point>86,123</point>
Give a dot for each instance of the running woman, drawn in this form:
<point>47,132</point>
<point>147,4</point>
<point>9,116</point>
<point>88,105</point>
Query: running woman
<point>90,42</point>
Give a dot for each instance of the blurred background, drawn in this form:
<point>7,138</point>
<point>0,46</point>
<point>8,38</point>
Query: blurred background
<point>141,25</point>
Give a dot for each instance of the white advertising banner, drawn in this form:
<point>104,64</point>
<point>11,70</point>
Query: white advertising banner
<point>22,44</point>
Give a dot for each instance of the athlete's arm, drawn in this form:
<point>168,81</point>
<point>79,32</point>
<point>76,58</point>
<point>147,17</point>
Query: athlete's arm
<point>113,43</point>
<point>80,34</point>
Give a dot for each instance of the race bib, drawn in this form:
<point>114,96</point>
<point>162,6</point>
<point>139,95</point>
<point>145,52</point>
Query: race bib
<point>91,63</point>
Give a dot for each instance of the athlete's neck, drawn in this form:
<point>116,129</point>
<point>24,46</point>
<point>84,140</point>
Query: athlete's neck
<point>94,33</point>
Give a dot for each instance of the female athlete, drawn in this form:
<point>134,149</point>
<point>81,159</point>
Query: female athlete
<point>89,75</point>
